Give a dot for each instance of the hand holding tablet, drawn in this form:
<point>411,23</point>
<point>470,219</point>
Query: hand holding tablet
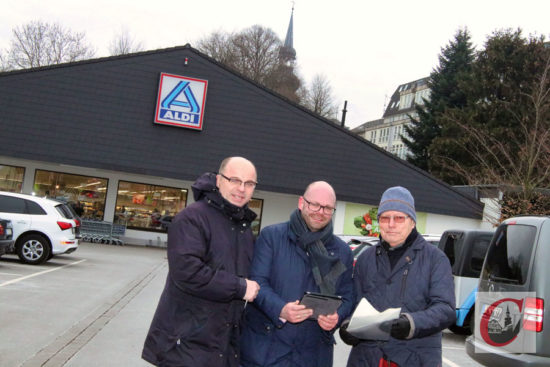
<point>321,304</point>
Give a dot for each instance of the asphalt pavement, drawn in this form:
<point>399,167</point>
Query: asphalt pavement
<point>93,308</point>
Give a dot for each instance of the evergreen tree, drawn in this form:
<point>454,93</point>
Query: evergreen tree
<point>454,65</point>
<point>500,136</point>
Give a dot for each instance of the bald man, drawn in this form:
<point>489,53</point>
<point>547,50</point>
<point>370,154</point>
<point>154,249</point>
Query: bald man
<point>291,258</point>
<point>210,246</point>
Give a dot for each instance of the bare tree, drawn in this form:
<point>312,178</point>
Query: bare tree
<point>124,43</point>
<point>38,44</point>
<point>3,62</point>
<point>319,97</point>
<point>219,46</point>
<point>257,50</point>
<point>255,53</point>
<point>524,170</point>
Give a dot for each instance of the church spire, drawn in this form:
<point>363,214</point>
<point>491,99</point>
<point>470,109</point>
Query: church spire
<point>287,52</point>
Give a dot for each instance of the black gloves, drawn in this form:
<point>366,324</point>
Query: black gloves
<point>400,328</point>
<point>347,337</point>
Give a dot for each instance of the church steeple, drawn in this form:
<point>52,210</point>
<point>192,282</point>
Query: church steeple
<point>287,52</point>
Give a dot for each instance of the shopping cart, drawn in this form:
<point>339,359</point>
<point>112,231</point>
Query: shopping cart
<point>96,231</point>
<point>117,231</point>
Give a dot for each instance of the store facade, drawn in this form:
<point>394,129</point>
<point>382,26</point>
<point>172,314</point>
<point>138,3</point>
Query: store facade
<point>123,138</point>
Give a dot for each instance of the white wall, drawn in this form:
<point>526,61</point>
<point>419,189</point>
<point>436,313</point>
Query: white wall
<point>437,223</point>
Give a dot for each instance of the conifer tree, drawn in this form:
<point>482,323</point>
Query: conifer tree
<point>454,65</point>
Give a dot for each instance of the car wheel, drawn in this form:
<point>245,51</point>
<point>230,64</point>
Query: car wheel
<point>33,249</point>
<point>469,325</point>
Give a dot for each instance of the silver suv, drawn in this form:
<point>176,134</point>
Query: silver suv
<point>516,261</point>
<point>42,227</point>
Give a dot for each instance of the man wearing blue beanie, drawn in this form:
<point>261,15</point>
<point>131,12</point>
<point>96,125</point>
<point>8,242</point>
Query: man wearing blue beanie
<point>403,271</point>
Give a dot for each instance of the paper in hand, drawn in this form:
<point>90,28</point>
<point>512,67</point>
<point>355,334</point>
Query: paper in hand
<point>366,321</point>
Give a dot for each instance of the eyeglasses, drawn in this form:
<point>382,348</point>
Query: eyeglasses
<point>238,182</point>
<point>385,219</point>
<point>315,207</point>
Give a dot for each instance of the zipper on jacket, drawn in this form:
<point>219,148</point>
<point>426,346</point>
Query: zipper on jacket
<point>404,282</point>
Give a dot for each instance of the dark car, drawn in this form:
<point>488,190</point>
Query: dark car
<point>466,249</point>
<point>6,236</point>
<point>513,296</point>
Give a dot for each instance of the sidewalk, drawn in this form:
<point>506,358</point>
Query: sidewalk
<point>120,340</point>
<point>113,335</point>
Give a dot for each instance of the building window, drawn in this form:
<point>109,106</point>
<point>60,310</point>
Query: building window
<point>86,194</point>
<point>405,101</point>
<point>148,207</point>
<point>256,205</point>
<point>11,178</point>
<point>421,96</point>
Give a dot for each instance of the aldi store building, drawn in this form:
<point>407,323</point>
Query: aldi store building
<point>123,138</point>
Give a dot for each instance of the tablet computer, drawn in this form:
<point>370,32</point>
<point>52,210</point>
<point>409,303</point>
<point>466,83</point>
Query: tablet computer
<point>321,304</point>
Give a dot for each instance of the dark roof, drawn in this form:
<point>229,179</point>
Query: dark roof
<point>367,125</point>
<point>393,106</point>
<point>99,113</point>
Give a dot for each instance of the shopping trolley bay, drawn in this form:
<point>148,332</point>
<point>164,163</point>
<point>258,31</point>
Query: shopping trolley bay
<point>96,231</point>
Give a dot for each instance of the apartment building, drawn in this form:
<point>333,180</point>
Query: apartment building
<point>387,132</point>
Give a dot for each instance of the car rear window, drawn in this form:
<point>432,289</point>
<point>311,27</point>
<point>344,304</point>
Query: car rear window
<point>66,211</point>
<point>479,249</point>
<point>509,254</point>
<point>452,247</point>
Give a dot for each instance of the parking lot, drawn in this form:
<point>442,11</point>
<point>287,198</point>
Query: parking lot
<point>93,308</point>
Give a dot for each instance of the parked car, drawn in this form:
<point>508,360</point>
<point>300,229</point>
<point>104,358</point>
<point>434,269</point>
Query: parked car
<point>355,240</point>
<point>517,261</point>
<point>466,249</point>
<point>6,236</point>
<point>432,238</point>
<point>42,227</point>
<point>366,243</point>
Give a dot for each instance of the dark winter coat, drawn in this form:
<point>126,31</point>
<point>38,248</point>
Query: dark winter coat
<point>210,247</point>
<point>283,271</point>
<point>421,283</point>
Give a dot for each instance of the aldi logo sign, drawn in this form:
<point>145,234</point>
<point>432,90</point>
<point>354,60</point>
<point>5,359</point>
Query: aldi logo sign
<point>180,101</point>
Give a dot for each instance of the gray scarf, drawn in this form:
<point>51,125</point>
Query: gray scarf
<point>326,269</point>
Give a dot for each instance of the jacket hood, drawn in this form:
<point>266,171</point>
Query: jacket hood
<point>206,183</point>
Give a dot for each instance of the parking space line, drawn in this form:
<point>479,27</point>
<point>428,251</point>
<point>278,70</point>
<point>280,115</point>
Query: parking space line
<point>457,348</point>
<point>447,362</point>
<point>10,274</point>
<point>39,273</point>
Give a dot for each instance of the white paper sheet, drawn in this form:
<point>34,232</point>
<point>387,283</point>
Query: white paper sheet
<point>366,321</point>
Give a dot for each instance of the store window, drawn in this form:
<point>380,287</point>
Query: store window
<point>148,207</point>
<point>256,205</point>
<point>86,194</point>
<point>11,178</point>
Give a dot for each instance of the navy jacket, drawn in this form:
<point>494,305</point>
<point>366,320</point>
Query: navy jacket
<point>421,283</point>
<point>283,271</point>
<point>210,247</point>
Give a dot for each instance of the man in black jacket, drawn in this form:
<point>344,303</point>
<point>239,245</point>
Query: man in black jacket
<point>210,246</point>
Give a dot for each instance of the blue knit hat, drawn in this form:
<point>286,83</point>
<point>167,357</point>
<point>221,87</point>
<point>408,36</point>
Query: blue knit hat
<point>399,199</point>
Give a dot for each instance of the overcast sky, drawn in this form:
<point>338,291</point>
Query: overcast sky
<point>364,48</point>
